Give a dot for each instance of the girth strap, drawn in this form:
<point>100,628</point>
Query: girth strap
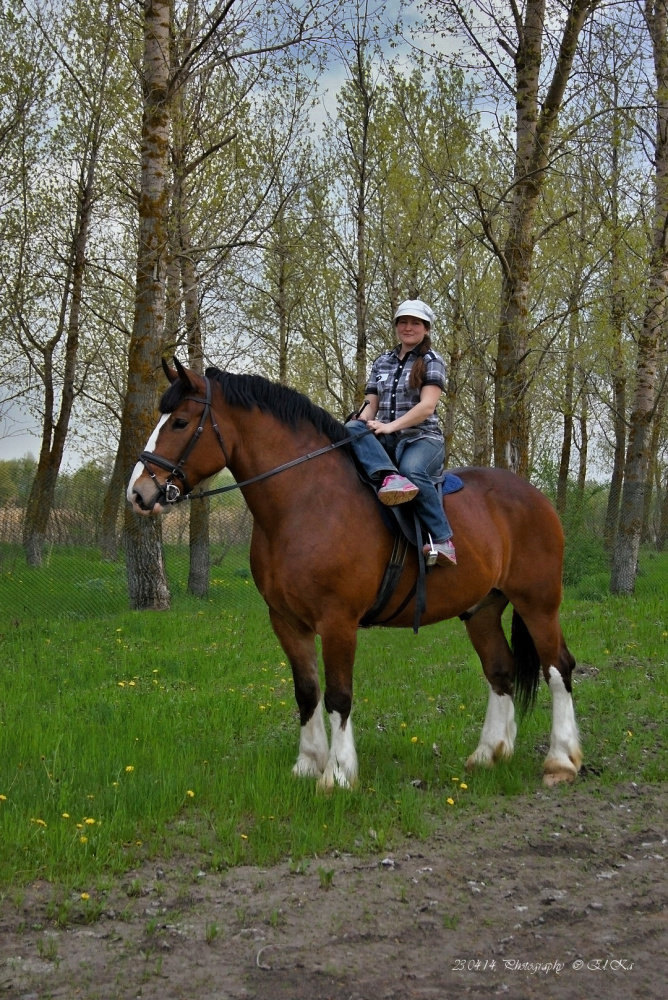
<point>390,581</point>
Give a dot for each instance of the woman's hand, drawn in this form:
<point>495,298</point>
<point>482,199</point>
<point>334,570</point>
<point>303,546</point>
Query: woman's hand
<point>378,427</point>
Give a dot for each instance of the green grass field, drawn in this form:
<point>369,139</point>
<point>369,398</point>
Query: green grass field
<point>132,734</point>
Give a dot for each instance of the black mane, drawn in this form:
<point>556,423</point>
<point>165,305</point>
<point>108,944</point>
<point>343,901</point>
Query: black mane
<point>247,391</point>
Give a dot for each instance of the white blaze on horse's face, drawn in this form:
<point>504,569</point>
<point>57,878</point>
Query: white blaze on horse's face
<point>146,489</point>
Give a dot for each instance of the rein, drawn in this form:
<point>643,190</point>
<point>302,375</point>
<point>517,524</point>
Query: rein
<point>265,475</point>
<point>171,492</point>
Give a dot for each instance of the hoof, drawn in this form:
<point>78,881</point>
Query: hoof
<point>333,776</point>
<point>306,767</point>
<point>488,756</point>
<point>556,772</point>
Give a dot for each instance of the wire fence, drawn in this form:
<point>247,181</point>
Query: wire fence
<point>74,526</point>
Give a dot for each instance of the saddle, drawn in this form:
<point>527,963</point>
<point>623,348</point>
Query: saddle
<point>405,525</point>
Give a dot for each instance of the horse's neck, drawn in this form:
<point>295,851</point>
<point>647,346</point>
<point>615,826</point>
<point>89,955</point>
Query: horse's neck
<point>265,445</point>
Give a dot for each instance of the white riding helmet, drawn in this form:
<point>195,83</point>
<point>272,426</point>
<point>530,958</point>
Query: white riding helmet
<point>417,308</point>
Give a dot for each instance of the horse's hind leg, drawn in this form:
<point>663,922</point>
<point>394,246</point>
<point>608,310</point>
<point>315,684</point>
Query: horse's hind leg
<point>497,739</point>
<point>564,758</point>
<point>299,646</point>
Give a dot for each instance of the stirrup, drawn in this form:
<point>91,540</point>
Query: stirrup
<point>432,555</point>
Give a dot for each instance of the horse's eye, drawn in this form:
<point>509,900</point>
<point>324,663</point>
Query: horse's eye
<point>179,423</point>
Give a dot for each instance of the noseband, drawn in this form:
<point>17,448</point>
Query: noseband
<point>169,491</point>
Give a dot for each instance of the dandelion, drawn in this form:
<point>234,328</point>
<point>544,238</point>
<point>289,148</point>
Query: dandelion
<point>38,822</point>
<point>463,785</point>
<point>190,793</point>
<point>83,839</point>
<point>403,725</point>
<point>89,821</point>
<point>129,768</point>
<point>414,739</point>
<point>65,815</point>
<point>244,836</point>
<point>3,798</point>
<point>450,802</point>
<point>85,895</point>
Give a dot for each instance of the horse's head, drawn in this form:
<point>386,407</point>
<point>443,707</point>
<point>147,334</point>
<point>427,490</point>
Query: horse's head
<point>184,448</point>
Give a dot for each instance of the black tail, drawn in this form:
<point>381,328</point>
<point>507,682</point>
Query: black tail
<point>527,665</point>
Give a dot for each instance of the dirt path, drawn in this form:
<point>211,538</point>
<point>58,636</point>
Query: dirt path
<point>555,897</point>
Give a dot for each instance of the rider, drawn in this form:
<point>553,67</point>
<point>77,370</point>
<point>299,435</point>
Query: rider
<point>407,450</point>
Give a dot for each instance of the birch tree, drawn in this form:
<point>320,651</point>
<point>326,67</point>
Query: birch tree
<point>652,341</point>
<point>529,51</point>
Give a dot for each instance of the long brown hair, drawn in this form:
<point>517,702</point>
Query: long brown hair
<point>419,367</point>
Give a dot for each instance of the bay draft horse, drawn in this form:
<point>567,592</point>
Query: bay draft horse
<point>320,547</point>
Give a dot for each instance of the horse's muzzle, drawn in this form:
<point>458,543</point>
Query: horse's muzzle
<point>142,502</point>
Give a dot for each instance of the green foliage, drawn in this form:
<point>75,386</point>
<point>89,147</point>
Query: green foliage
<point>126,735</point>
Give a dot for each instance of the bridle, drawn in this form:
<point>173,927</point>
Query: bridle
<point>169,491</point>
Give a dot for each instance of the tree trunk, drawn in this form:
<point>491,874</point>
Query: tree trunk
<point>584,449</point>
<point>147,583</point>
<point>113,497</point>
<point>652,336</point>
<point>617,315</point>
<point>662,537</point>
<point>569,396</point>
<point>534,134</point>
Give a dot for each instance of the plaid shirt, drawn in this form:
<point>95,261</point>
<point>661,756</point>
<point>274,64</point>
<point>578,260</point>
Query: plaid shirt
<point>389,379</point>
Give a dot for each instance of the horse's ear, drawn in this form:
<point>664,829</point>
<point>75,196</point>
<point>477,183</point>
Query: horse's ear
<point>178,371</point>
<point>183,374</point>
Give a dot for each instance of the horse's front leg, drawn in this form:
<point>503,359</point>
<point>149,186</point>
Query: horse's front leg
<point>339,643</point>
<point>299,647</point>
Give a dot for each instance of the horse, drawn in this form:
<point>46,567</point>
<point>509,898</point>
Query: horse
<point>320,546</point>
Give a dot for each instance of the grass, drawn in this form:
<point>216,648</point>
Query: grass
<point>126,734</point>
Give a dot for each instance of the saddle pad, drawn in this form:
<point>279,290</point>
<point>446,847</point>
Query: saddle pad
<point>451,483</point>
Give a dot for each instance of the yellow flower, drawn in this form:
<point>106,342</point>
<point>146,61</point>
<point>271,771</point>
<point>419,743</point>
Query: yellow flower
<point>89,821</point>
<point>190,793</point>
<point>129,769</point>
<point>83,839</point>
<point>414,739</point>
<point>3,798</point>
<point>450,802</point>
<point>463,785</point>
<point>66,815</point>
<point>39,822</point>
<point>85,895</point>
<point>244,836</point>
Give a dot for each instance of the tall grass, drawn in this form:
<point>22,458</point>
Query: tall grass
<point>126,734</point>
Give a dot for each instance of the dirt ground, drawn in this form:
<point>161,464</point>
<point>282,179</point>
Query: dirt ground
<point>556,896</point>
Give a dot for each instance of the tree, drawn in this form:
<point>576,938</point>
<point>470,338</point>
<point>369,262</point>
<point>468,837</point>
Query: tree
<point>527,36</point>
<point>147,583</point>
<point>652,338</point>
<point>48,319</point>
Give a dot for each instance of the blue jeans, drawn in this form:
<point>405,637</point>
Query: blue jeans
<point>418,459</point>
